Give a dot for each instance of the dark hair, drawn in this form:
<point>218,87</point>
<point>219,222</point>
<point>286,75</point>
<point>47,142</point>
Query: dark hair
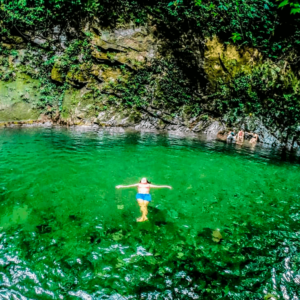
<point>146,179</point>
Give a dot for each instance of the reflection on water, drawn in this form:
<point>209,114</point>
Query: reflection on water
<point>229,229</point>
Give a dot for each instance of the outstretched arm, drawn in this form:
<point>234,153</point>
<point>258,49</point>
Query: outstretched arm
<point>126,186</point>
<point>160,186</point>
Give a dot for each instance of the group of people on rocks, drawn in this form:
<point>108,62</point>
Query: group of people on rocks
<point>240,137</point>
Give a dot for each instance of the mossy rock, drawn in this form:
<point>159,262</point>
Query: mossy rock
<point>71,99</point>
<point>19,111</point>
<point>96,71</point>
<point>100,55</point>
<point>133,60</point>
<point>79,78</point>
<point>78,104</point>
<point>16,39</point>
<point>217,236</point>
<point>135,116</point>
<point>107,46</point>
<point>225,61</point>
<point>6,46</point>
<point>56,75</point>
<point>110,74</point>
<point>13,107</point>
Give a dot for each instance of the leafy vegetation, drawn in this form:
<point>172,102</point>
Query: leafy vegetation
<point>257,23</point>
<point>295,6</point>
<point>161,85</point>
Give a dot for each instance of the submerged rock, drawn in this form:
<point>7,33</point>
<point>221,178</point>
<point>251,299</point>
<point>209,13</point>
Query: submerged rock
<point>217,236</point>
<point>56,75</point>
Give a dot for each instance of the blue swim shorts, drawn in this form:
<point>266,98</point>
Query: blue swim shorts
<point>146,197</point>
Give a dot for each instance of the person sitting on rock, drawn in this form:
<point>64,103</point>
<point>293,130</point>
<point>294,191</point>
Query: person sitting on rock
<point>254,138</point>
<point>231,136</point>
<point>240,136</point>
<point>143,196</point>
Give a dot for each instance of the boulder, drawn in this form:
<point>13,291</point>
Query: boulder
<point>100,56</point>
<point>220,61</point>
<point>78,79</point>
<point>217,236</point>
<point>16,39</point>
<point>39,41</point>
<point>96,71</point>
<point>107,46</point>
<point>56,75</point>
<point>213,129</point>
<point>6,46</point>
<point>109,74</point>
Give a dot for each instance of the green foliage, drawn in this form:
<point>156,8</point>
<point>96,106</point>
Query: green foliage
<point>236,37</point>
<point>256,23</point>
<point>295,6</point>
<point>34,13</point>
<point>161,85</point>
<point>38,13</point>
<point>35,65</point>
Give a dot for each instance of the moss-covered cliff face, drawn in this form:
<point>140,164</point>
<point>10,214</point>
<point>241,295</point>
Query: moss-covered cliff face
<point>198,66</point>
<point>18,97</point>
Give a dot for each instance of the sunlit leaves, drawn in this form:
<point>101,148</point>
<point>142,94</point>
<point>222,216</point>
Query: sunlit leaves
<point>283,3</point>
<point>296,9</point>
<point>295,6</point>
<point>236,36</point>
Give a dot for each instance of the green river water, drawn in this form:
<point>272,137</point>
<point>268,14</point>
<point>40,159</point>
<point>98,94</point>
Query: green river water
<point>67,233</point>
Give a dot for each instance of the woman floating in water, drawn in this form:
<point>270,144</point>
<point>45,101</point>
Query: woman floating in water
<point>143,196</point>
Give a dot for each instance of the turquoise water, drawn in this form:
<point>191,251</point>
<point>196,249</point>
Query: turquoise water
<point>67,233</point>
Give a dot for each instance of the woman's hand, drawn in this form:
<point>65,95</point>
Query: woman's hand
<point>169,187</point>
<point>118,186</point>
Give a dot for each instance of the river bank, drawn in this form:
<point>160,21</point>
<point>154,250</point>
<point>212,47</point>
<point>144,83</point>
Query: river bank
<point>210,129</point>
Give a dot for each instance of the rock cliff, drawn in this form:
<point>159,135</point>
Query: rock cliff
<point>145,77</point>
